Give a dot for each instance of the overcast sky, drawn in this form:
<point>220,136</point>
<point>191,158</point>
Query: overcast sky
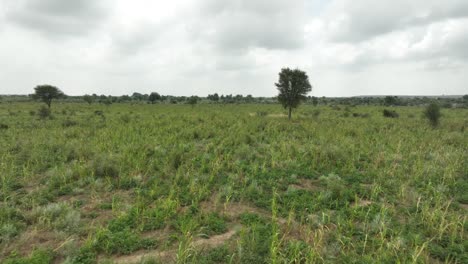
<point>187,47</point>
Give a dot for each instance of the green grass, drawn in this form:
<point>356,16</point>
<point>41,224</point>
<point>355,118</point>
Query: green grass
<point>232,184</point>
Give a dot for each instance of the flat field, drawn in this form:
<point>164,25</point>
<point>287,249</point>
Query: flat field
<point>231,184</point>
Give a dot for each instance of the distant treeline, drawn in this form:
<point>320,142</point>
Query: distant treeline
<point>155,98</point>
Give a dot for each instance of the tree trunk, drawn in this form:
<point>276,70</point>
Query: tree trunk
<point>289,114</point>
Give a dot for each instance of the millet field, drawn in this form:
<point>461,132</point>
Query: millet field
<point>215,183</point>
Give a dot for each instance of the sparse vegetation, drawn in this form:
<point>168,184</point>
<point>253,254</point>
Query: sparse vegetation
<point>231,184</point>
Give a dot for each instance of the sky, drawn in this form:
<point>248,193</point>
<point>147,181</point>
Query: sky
<point>200,47</point>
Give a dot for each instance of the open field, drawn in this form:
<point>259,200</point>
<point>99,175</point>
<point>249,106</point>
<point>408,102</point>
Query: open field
<point>231,184</point>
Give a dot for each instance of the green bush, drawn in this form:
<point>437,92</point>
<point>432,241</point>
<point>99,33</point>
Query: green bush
<point>44,113</point>
<point>390,113</point>
<point>432,113</point>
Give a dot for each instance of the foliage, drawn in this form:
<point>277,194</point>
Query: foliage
<point>293,86</point>
<point>88,98</point>
<point>47,93</point>
<point>153,97</point>
<point>232,184</point>
<point>432,113</point>
<point>192,100</point>
<point>390,113</point>
<point>44,113</point>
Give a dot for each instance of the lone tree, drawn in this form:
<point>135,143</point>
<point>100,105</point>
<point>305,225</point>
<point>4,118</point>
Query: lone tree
<point>293,86</point>
<point>46,93</point>
<point>153,97</point>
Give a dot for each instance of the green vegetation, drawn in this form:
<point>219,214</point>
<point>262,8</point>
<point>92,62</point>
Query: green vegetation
<point>224,183</point>
<point>433,114</point>
<point>47,93</point>
<point>293,87</point>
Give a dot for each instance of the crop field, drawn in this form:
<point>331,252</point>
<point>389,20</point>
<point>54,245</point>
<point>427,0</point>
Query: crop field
<point>216,183</point>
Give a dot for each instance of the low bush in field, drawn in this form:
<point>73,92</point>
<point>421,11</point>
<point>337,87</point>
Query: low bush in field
<point>105,166</point>
<point>432,113</point>
<point>390,113</point>
<point>58,216</point>
<point>44,113</point>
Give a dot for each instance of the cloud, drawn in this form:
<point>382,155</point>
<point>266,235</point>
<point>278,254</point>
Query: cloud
<point>361,20</point>
<point>55,18</point>
<point>239,25</point>
<point>188,47</point>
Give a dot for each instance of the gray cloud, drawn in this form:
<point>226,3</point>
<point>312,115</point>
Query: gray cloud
<point>238,25</point>
<point>361,20</point>
<point>188,47</point>
<point>57,17</point>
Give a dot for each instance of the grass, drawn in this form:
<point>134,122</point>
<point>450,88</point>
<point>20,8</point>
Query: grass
<point>231,184</point>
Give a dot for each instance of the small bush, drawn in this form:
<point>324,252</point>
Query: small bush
<point>125,118</point>
<point>432,113</point>
<point>44,113</point>
<point>105,166</point>
<point>69,123</point>
<point>3,126</point>
<point>7,232</point>
<point>58,216</point>
<point>390,113</point>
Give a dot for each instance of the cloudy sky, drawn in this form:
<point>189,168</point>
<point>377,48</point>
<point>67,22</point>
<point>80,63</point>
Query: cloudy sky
<point>186,47</point>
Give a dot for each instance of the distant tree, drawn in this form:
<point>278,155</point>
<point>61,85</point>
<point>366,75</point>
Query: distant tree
<point>137,96</point>
<point>465,97</point>
<point>125,98</point>
<point>102,99</point>
<point>192,100</point>
<point>433,114</point>
<point>314,101</point>
<point>153,97</point>
<point>47,93</point>
<point>390,100</point>
<point>213,97</point>
<point>88,98</point>
<point>293,86</point>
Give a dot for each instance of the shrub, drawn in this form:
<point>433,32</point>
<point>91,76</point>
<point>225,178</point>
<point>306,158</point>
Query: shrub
<point>105,166</point>
<point>125,118</point>
<point>3,126</point>
<point>69,123</point>
<point>44,112</point>
<point>58,216</point>
<point>7,232</point>
<point>432,113</point>
<point>390,113</point>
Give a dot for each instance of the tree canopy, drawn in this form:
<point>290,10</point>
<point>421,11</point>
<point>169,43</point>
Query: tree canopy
<point>293,86</point>
<point>153,97</point>
<point>47,93</point>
